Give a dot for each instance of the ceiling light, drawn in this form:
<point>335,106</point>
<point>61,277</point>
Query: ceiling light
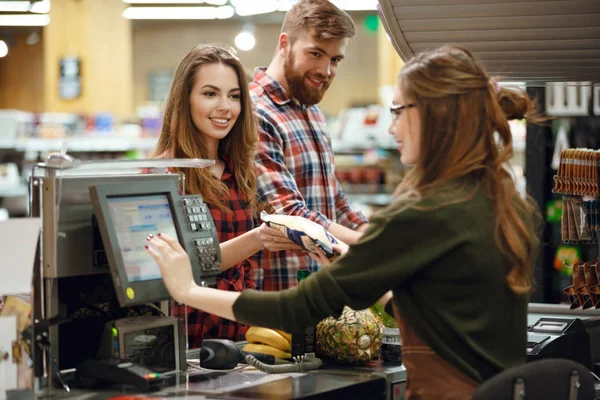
<point>178,12</point>
<point>245,41</point>
<point>14,6</point>
<point>224,12</point>
<point>164,1</point>
<point>285,5</point>
<point>41,7</point>
<point>3,49</point>
<point>246,7</point>
<point>216,2</point>
<point>24,20</point>
<point>356,5</point>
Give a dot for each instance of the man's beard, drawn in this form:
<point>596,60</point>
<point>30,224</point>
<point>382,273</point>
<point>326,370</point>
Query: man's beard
<point>299,89</point>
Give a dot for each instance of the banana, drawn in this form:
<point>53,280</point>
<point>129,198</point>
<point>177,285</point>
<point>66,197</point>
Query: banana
<point>269,337</point>
<point>286,335</point>
<point>265,349</point>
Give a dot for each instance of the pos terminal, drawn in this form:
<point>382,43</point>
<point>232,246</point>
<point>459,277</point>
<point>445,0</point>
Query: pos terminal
<point>128,213</point>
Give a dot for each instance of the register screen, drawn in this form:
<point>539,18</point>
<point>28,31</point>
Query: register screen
<point>134,217</point>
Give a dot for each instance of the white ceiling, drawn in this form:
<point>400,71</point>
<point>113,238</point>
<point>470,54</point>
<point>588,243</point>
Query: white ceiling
<point>525,40</point>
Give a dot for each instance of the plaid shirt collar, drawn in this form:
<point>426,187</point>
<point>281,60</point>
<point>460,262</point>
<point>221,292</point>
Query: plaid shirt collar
<point>228,170</point>
<point>272,88</point>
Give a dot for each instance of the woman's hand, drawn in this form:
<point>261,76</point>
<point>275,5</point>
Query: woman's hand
<point>321,258</point>
<point>274,240</point>
<point>174,265</point>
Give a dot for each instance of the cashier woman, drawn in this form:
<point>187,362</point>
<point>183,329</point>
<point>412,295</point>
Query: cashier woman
<point>456,246</point>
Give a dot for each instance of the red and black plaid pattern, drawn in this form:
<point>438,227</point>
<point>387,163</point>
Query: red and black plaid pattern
<point>295,174</point>
<point>202,325</point>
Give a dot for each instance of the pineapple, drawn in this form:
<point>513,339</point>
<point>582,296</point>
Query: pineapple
<point>355,337</point>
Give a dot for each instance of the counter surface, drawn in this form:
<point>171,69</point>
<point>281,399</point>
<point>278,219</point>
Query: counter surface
<point>330,383</point>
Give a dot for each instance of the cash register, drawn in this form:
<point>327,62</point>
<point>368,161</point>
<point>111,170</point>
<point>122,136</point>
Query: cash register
<point>559,338</point>
<point>103,297</point>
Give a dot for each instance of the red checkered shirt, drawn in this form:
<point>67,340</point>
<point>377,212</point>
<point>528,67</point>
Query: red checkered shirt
<point>202,325</point>
<point>296,174</point>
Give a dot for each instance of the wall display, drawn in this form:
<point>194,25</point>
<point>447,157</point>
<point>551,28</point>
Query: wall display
<point>69,83</point>
<point>159,85</point>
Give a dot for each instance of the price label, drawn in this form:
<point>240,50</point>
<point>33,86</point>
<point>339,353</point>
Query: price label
<point>391,336</point>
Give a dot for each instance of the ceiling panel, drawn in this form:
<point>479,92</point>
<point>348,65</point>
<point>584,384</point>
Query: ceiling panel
<point>530,39</point>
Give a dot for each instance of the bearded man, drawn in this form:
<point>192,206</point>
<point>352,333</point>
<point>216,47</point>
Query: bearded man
<point>295,163</point>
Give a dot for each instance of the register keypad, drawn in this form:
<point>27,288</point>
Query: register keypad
<point>199,220</point>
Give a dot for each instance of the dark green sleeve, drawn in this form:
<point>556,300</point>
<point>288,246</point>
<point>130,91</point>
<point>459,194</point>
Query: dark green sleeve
<point>392,250</point>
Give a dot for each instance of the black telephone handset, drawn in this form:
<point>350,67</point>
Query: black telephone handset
<point>114,371</point>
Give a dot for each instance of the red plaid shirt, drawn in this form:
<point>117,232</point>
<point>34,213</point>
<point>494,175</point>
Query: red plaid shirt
<point>202,325</point>
<point>296,175</point>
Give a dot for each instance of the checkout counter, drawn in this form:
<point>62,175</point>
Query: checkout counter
<point>94,276</point>
<point>99,295</point>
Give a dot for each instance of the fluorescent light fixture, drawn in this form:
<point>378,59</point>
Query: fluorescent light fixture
<point>24,20</point>
<point>285,5</point>
<point>356,5</point>
<point>14,6</point>
<point>224,12</point>
<point>178,12</point>
<point>211,2</point>
<point>41,7</point>
<point>246,7</point>
<point>164,1</point>
<point>3,49</point>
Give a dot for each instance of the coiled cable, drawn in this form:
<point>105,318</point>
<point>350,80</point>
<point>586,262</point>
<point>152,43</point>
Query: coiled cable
<point>300,364</point>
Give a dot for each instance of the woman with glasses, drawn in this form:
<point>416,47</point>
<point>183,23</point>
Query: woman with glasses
<point>455,248</point>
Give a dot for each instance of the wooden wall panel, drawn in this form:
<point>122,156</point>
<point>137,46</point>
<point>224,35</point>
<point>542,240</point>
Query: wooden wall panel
<point>161,46</point>
<point>21,76</point>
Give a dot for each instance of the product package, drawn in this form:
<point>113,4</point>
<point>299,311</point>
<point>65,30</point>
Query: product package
<point>305,233</point>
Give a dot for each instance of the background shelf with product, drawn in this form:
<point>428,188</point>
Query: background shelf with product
<point>367,160</point>
<point>575,124</point>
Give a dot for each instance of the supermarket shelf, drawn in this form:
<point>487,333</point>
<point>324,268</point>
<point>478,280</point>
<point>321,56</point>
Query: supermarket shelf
<point>14,191</point>
<point>375,199</point>
<point>80,144</point>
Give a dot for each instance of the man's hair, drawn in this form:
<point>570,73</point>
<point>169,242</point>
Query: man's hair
<point>319,17</point>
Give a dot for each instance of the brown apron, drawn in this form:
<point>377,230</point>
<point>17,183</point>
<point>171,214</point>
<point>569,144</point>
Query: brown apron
<point>429,376</point>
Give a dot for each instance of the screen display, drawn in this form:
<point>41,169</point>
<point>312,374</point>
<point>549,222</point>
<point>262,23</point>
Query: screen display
<point>133,218</point>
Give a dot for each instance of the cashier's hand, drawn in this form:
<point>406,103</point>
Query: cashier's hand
<point>274,240</point>
<point>174,265</point>
<point>321,258</point>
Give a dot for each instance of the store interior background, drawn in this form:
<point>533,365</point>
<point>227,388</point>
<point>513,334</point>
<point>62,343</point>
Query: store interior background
<point>125,71</point>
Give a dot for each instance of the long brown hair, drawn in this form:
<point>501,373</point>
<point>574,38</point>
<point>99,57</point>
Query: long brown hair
<point>179,137</point>
<point>465,136</point>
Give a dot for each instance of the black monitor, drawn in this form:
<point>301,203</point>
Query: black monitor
<point>128,213</point>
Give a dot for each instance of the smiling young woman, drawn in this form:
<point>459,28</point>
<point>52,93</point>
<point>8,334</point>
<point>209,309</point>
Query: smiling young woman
<point>209,115</point>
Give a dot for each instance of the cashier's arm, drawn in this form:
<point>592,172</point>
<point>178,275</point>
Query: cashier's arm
<point>176,271</point>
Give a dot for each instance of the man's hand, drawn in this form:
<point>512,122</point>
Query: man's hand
<point>321,258</point>
<point>274,240</point>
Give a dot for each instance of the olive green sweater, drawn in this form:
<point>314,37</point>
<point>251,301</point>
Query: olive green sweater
<point>448,278</point>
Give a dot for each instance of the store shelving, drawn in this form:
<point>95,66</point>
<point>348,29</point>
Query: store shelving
<point>80,144</point>
<point>375,199</point>
<point>13,191</point>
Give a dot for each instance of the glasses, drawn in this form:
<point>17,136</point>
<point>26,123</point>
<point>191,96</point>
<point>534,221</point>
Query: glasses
<point>397,110</point>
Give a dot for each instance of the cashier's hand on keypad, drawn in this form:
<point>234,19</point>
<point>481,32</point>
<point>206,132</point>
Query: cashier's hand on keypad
<point>274,240</point>
<point>174,264</point>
